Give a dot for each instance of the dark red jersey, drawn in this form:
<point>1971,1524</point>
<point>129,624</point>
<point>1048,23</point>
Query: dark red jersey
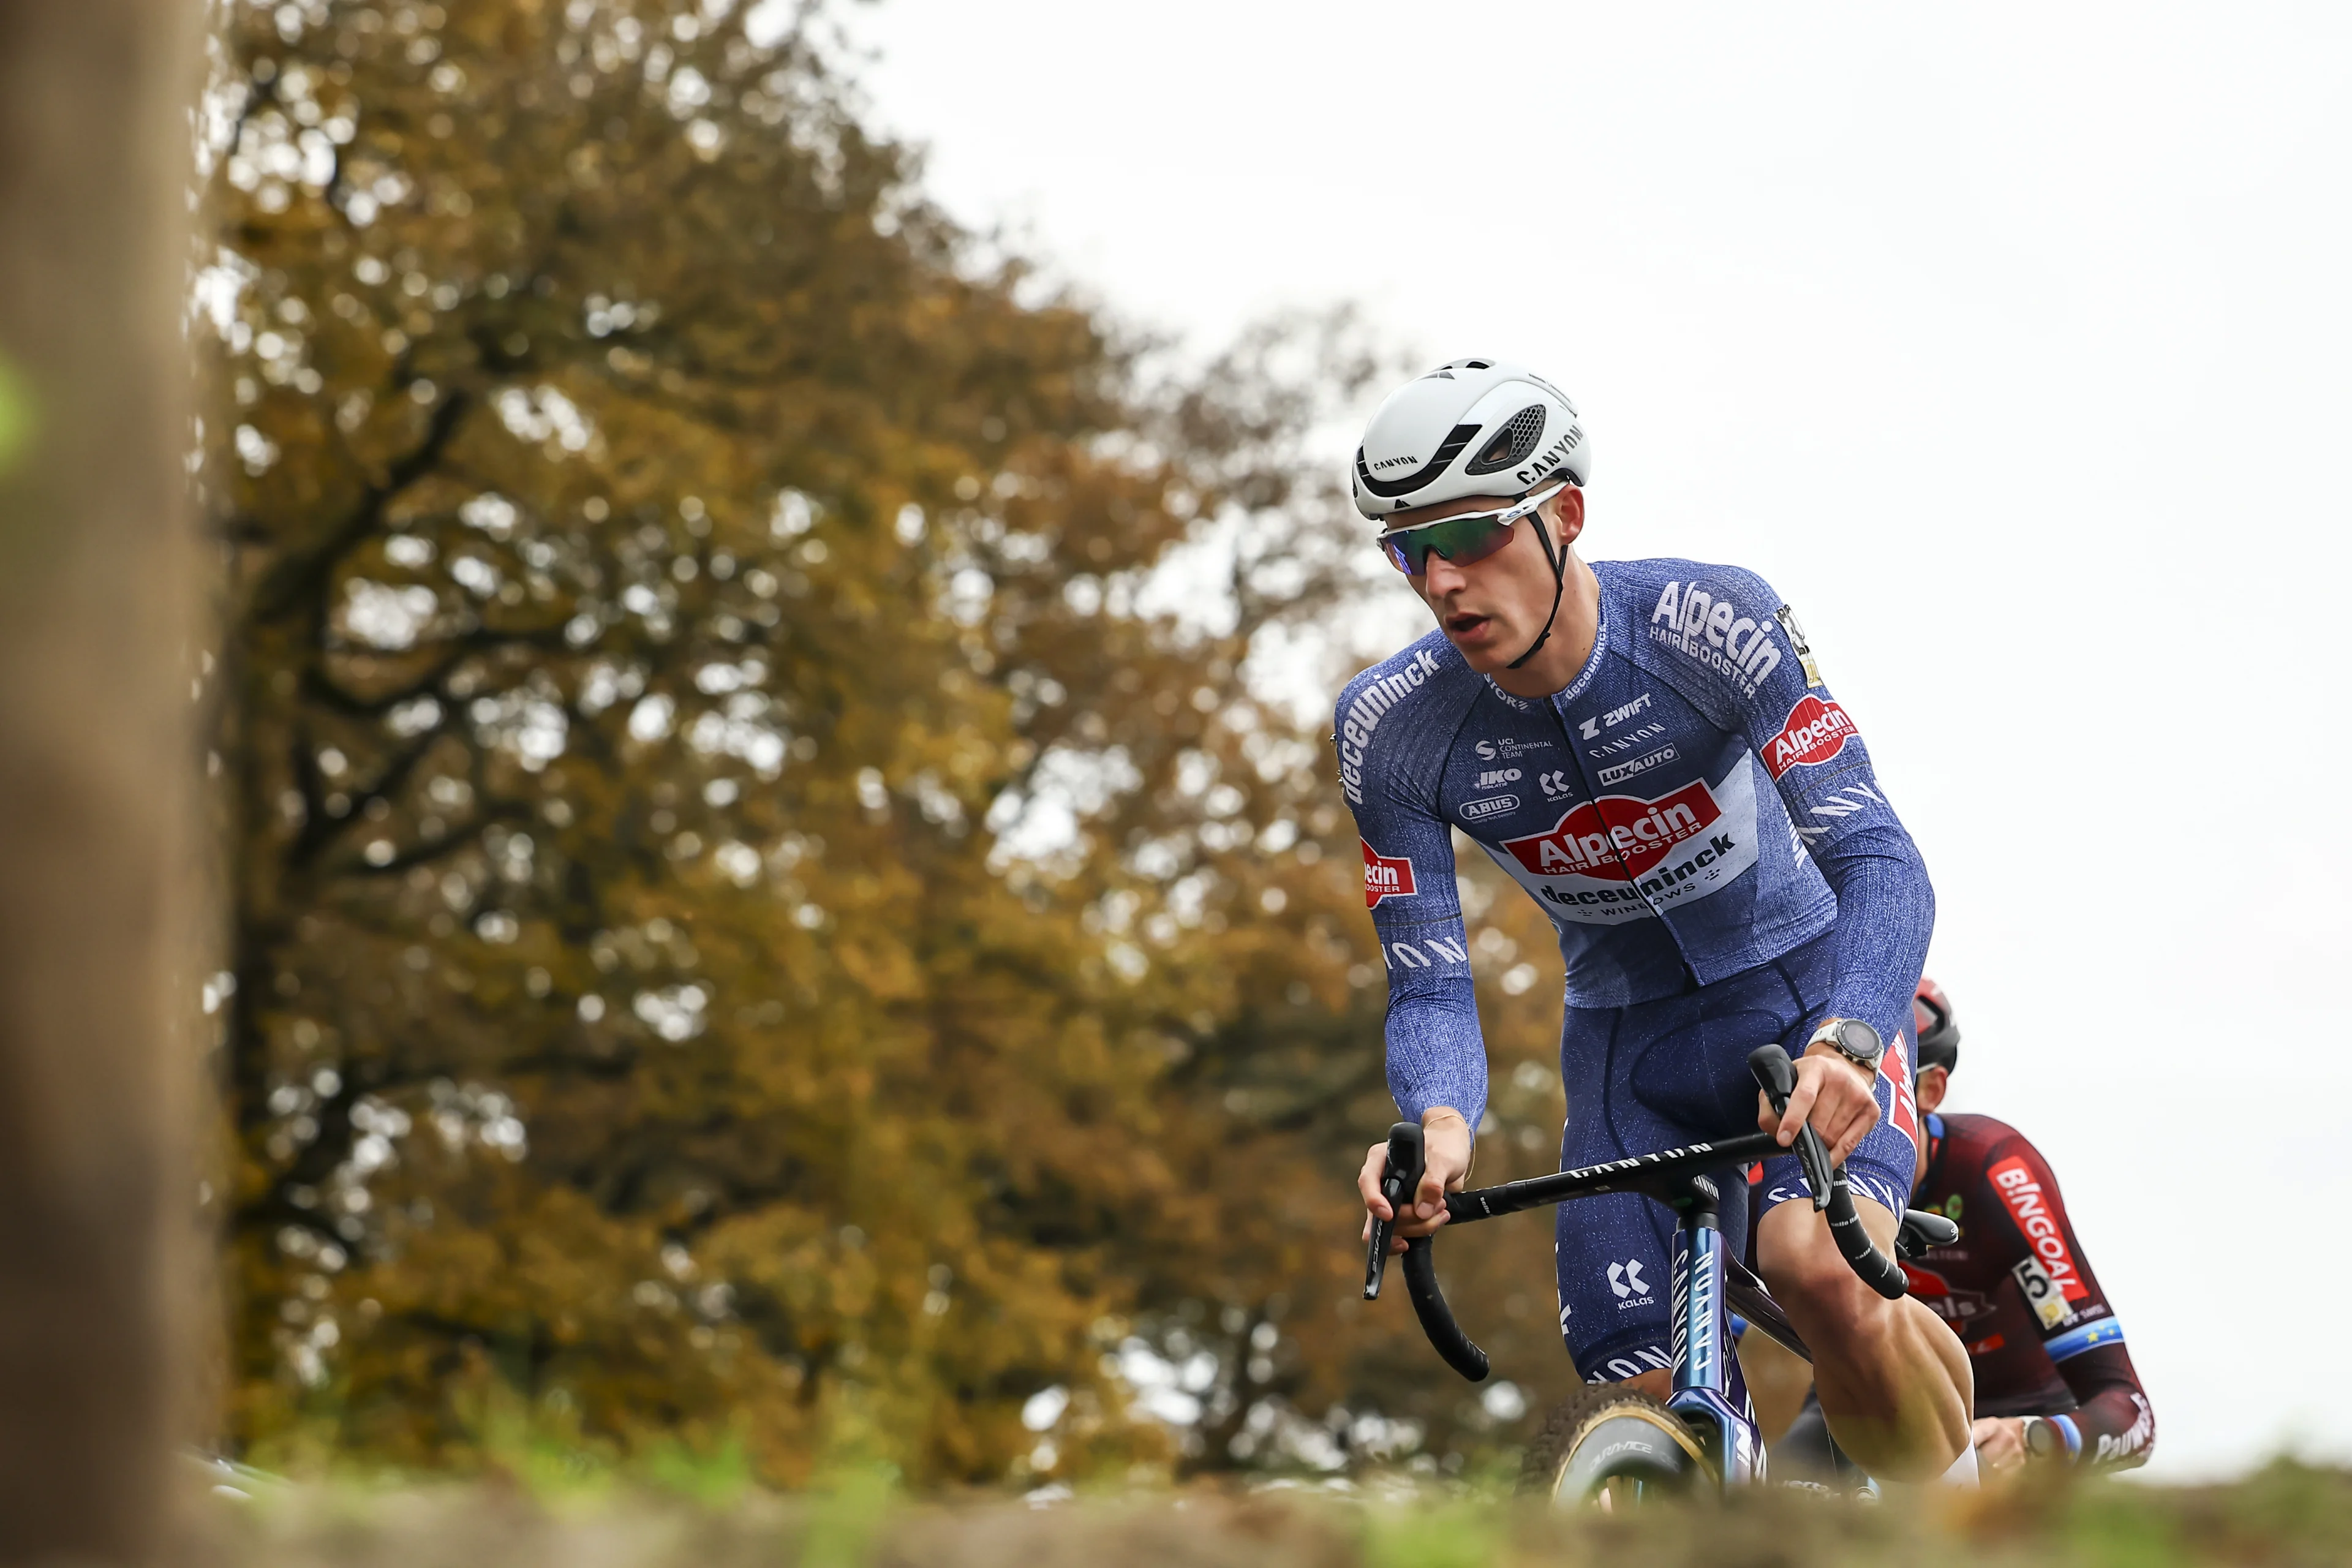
<point>2018,1290</point>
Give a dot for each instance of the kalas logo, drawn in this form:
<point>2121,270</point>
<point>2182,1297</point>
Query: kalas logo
<point>1815,732</point>
<point>1618,837</point>
<point>1385,877</point>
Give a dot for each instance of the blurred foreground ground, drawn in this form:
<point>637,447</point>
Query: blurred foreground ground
<point>2285,1516</point>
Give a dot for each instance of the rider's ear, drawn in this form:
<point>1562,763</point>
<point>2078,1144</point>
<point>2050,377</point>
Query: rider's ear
<point>1568,505</point>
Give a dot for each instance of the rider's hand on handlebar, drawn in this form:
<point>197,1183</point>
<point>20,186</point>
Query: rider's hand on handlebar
<point>1833,1095</point>
<point>1445,1164</point>
<point>2000,1443</point>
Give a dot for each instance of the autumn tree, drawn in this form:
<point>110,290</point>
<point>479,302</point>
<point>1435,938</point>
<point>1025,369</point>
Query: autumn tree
<point>766,906</point>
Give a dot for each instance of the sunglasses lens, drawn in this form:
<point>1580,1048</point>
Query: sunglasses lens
<point>1479,541</point>
<point>1460,540</point>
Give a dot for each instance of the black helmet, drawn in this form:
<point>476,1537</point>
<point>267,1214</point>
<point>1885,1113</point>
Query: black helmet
<point>1931,1022</point>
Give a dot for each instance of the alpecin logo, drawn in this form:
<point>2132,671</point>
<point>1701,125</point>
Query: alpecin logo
<point>1813,732</point>
<point>1385,876</point>
<point>1619,837</point>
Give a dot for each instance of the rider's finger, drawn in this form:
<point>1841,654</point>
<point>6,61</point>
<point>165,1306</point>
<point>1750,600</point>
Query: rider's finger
<point>1368,1183</point>
<point>1429,1200</point>
<point>1801,1105</point>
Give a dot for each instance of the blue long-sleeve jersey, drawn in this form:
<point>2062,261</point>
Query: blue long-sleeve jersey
<point>1694,803</point>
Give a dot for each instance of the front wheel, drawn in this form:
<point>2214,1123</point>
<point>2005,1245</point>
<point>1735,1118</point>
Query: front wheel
<point>1610,1447</point>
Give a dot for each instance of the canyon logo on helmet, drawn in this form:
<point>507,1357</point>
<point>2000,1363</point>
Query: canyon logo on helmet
<point>1474,427</point>
<point>1470,428</point>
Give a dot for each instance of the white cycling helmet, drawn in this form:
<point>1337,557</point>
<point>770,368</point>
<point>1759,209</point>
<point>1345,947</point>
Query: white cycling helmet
<point>1470,428</point>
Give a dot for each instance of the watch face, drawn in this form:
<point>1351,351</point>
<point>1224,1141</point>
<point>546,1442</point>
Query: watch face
<point>1858,1039</point>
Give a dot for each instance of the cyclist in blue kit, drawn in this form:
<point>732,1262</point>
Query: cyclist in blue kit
<point>1648,749</point>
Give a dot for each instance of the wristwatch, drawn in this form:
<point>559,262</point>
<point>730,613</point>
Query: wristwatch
<point>1853,1039</point>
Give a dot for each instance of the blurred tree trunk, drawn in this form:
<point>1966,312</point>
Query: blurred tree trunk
<point>96,585</point>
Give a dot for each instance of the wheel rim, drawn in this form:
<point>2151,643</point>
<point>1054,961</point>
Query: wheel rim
<point>1623,1455</point>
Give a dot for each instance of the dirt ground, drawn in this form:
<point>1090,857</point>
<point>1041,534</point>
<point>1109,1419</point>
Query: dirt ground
<point>2287,1516</point>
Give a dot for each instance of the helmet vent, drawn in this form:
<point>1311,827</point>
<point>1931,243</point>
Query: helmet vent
<point>1512,444</point>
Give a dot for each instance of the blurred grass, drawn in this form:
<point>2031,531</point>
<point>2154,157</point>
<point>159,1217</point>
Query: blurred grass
<point>2287,1515</point>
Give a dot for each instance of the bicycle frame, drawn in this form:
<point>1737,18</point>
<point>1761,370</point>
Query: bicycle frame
<point>1708,1284</point>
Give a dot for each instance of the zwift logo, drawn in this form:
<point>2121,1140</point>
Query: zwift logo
<point>1697,625</point>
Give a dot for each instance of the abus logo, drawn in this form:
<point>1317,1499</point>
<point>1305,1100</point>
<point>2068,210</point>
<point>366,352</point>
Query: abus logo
<point>1492,806</point>
<point>1625,1280</point>
<point>1618,837</point>
<point>2018,1186</point>
<point>1385,877</point>
<point>1813,732</point>
<point>1495,778</point>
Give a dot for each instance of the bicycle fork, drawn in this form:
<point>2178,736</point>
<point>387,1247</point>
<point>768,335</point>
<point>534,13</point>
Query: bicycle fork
<point>1709,1392</point>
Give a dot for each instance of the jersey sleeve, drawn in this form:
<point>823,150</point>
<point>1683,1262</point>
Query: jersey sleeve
<point>2113,1423</point>
<point>1436,1055</point>
<point>1750,655</point>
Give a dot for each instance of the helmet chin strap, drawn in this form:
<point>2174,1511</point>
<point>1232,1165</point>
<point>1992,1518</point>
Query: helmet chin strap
<point>1559,587</point>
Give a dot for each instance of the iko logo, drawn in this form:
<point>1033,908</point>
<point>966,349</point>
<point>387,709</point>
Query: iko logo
<point>1555,784</point>
<point>1626,1282</point>
<point>1385,876</point>
<point>1492,806</point>
<point>1495,778</point>
<point>1616,773</point>
<point>1813,732</point>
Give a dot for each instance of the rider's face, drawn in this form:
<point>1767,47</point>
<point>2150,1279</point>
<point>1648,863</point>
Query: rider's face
<point>1494,608</point>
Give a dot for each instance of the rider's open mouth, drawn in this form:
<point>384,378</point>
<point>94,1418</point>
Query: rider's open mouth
<point>1463,624</point>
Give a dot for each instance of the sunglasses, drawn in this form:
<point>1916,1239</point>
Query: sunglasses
<point>1463,538</point>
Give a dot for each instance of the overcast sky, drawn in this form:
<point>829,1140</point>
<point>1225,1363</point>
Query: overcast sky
<point>2011,344</point>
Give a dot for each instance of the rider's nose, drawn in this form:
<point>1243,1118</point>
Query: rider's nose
<point>1440,576</point>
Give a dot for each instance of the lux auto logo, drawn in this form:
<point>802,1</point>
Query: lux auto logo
<point>1625,1280</point>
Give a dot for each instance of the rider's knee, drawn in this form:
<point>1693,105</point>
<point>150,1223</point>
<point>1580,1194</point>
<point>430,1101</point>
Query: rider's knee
<point>1803,1267</point>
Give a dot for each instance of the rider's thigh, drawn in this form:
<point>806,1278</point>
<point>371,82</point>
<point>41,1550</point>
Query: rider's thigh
<point>1612,1255</point>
